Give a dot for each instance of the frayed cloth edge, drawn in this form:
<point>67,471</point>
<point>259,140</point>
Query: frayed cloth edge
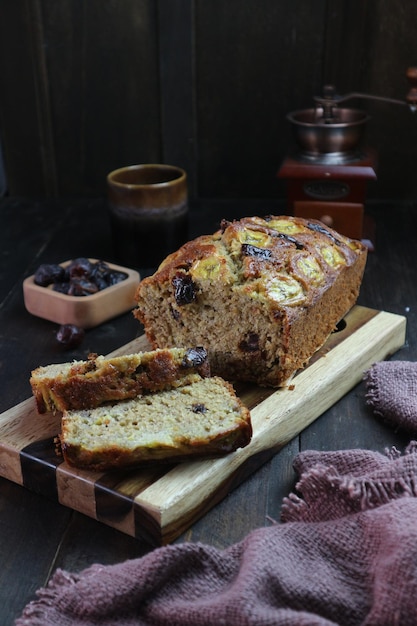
<point>40,609</point>
<point>372,396</point>
<point>355,494</point>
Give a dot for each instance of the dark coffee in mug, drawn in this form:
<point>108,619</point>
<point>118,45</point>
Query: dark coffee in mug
<point>149,213</point>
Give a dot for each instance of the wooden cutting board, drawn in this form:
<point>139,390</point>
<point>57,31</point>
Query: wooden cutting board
<point>160,503</point>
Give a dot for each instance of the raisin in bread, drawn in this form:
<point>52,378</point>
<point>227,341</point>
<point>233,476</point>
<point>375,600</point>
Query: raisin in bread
<point>203,418</point>
<point>87,384</point>
<point>261,294</point>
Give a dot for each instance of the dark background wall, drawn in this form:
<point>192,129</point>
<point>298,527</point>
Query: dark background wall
<point>88,86</point>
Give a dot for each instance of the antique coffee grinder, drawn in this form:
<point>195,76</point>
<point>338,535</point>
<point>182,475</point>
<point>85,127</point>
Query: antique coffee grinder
<point>328,175</point>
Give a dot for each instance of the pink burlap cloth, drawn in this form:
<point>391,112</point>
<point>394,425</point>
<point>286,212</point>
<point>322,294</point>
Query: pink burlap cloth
<point>392,393</point>
<point>345,554</point>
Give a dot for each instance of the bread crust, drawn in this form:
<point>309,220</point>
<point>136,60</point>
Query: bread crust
<point>261,295</point>
<point>87,384</point>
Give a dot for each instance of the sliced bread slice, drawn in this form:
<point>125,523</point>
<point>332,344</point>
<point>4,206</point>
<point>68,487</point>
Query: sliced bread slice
<point>88,384</point>
<point>204,418</point>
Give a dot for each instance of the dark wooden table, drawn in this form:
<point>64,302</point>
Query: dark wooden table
<point>38,535</point>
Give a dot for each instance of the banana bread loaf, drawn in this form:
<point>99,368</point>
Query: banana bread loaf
<point>203,418</point>
<point>260,294</point>
<point>87,384</point>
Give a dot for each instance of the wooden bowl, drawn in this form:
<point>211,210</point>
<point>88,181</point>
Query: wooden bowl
<point>83,311</point>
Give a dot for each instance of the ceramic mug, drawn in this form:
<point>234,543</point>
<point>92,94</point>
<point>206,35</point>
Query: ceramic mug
<point>148,211</point>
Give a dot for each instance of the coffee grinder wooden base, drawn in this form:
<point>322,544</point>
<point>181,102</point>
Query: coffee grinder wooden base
<point>332,193</point>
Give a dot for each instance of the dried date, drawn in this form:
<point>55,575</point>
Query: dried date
<point>285,237</point>
<point>259,253</point>
<point>318,228</point>
<point>81,277</point>
<point>49,273</point>
<point>70,335</point>
<point>81,286</point>
<point>80,267</point>
<point>199,408</point>
<point>61,287</point>
<point>185,289</point>
<point>194,357</point>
